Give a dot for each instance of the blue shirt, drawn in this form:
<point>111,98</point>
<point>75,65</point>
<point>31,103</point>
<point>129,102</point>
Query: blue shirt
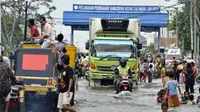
<point>60,46</point>
<point>172,85</point>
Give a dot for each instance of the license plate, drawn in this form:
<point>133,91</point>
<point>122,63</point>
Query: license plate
<point>41,93</point>
<point>125,88</point>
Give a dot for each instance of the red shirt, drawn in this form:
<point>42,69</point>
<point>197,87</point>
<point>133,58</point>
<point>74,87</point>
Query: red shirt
<point>34,32</point>
<point>195,71</point>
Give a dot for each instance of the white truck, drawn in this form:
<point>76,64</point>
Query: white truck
<point>171,53</point>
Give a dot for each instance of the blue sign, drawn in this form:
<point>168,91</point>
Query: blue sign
<point>115,8</point>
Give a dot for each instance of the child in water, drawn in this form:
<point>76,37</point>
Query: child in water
<point>161,95</point>
<point>150,73</point>
<point>164,106</point>
<point>185,98</point>
<point>191,100</point>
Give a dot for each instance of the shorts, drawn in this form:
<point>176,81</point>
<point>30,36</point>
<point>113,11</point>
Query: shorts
<point>37,41</point>
<point>46,44</point>
<point>7,97</point>
<point>63,99</point>
<point>173,101</point>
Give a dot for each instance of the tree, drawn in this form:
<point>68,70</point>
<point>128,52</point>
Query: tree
<point>184,24</point>
<point>150,49</point>
<point>13,15</point>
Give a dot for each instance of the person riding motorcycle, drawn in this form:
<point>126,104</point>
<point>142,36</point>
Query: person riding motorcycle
<point>119,71</point>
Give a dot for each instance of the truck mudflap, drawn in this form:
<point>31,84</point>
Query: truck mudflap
<point>34,99</point>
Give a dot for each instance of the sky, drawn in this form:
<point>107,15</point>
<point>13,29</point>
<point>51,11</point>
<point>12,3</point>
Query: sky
<point>80,37</point>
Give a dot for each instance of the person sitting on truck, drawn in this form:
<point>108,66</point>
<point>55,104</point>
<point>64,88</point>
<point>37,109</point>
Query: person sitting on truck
<point>47,34</point>
<point>34,32</point>
<point>119,71</point>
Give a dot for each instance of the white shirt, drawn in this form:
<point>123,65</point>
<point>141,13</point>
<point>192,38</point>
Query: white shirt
<point>48,30</point>
<point>152,64</point>
<point>6,61</point>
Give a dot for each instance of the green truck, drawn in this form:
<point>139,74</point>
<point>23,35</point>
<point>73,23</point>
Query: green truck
<point>109,41</point>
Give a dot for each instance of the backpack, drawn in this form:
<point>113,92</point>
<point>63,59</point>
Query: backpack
<point>5,85</point>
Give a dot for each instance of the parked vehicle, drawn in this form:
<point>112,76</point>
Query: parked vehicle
<point>37,90</point>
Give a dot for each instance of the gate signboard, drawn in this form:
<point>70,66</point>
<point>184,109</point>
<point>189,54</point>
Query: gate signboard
<point>115,8</point>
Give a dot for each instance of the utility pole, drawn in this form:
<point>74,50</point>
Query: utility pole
<point>183,45</point>
<point>198,21</point>
<point>191,28</point>
<point>0,29</point>
<point>26,17</point>
<point>195,31</point>
<point>168,24</point>
<point>177,28</point>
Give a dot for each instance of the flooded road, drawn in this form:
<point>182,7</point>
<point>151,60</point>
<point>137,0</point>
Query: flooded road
<point>143,99</point>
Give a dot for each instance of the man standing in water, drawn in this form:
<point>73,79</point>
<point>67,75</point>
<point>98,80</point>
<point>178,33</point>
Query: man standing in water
<point>67,88</point>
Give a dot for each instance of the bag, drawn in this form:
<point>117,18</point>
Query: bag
<point>5,85</point>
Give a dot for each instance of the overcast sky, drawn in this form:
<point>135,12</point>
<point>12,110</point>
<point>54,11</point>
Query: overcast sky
<point>80,37</point>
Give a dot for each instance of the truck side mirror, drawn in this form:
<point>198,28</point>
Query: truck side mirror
<point>87,45</point>
<point>139,46</point>
<point>139,53</point>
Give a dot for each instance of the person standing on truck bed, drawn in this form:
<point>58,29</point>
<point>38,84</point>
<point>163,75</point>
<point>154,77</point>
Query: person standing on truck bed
<point>34,32</point>
<point>47,33</point>
<point>60,47</point>
<point>66,85</point>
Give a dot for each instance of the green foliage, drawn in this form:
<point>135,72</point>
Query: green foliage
<point>184,24</point>
<point>150,49</point>
<point>13,15</point>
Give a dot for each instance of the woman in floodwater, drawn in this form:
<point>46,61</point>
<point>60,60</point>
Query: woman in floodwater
<point>171,85</point>
<point>190,80</point>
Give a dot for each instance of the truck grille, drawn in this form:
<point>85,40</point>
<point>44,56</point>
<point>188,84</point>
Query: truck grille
<point>104,68</point>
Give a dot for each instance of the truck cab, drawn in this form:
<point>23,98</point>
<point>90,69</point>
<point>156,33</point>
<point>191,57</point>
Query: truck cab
<point>175,52</point>
<point>110,40</point>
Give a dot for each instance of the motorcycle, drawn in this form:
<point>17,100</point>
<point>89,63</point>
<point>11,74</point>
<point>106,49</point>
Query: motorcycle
<point>125,84</point>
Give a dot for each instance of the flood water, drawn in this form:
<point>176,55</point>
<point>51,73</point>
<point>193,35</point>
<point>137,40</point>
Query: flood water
<point>143,99</point>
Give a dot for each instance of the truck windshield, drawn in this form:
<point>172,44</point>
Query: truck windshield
<point>114,48</point>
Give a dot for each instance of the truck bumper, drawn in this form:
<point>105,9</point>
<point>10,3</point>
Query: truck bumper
<point>99,76</point>
<point>108,76</point>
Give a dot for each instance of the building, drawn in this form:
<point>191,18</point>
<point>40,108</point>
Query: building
<point>166,42</point>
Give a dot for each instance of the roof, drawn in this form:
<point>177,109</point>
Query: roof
<point>74,18</point>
